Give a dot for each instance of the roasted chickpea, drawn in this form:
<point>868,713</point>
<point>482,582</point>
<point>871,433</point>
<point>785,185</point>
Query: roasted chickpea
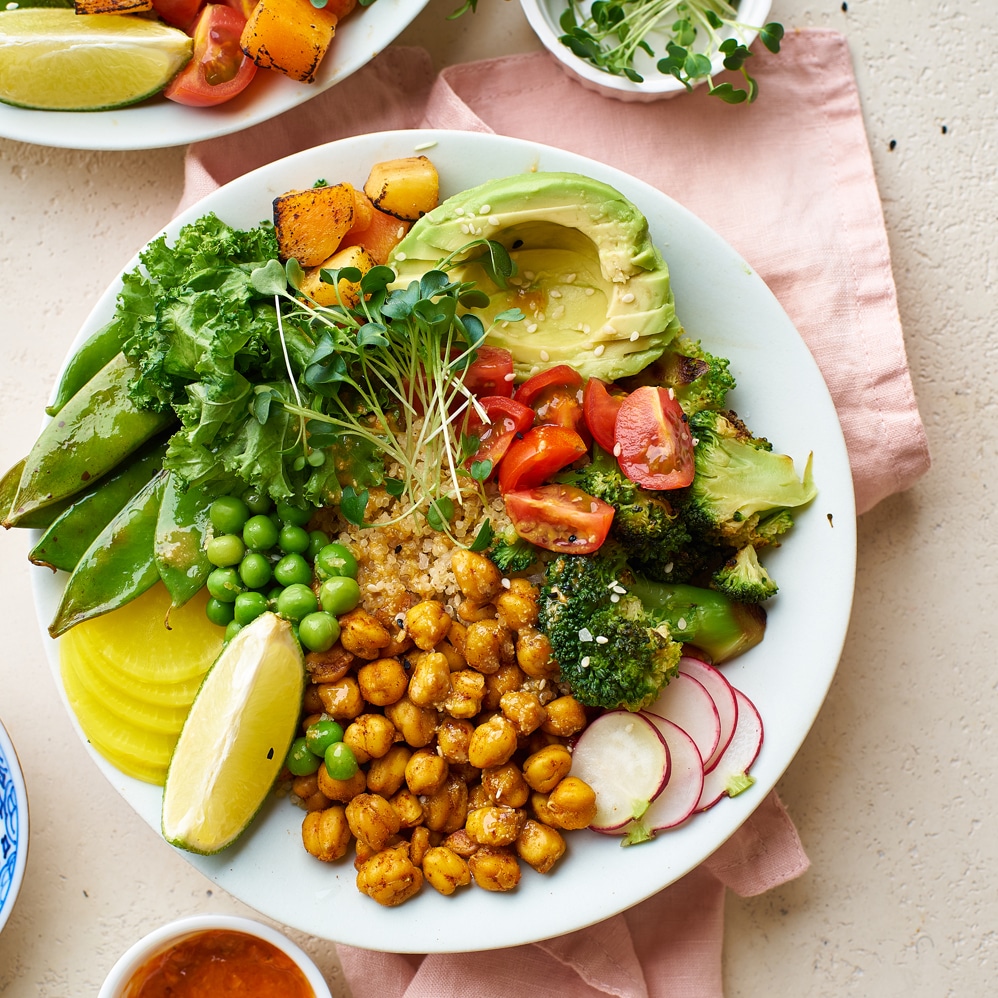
<point>306,789</point>
<point>416,724</point>
<point>517,609</point>
<point>476,576</point>
<point>342,700</point>
<point>390,877</point>
<point>363,634</point>
<point>455,659</point>
<point>453,736</point>
<point>382,681</point>
<point>445,870</point>
<point>467,691</point>
<point>386,775</point>
<point>326,834</point>
<point>328,666</point>
<point>523,708</point>
<point>546,768</point>
<point>540,845</point>
<point>495,868</point>
<point>427,623</point>
<point>370,736</point>
<point>572,803</point>
<point>426,772</point>
<point>419,842</point>
<point>505,679</point>
<point>457,635</point>
<point>492,743</point>
<point>486,645</point>
<point>495,825</point>
<point>372,819</point>
<point>565,717</point>
<point>479,795</point>
<point>471,611</point>
<point>341,790</point>
<point>407,807</point>
<point>461,843</point>
<point>539,805</point>
<point>446,810</point>
<point>311,703</point>
<point>506,785</point>
<point>430,682</point>
<point>533,653</point>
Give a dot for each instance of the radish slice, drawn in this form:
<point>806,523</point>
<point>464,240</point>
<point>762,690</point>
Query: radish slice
<point>730,775</point>
<point>686,702</point>
<point>723,696</point>
<point>622,756</point>
<point>680,796</point>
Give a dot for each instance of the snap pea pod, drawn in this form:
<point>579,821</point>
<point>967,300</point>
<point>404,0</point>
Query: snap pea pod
<point>98,349</point>
<point>96,430</point>
<point>118,566</point>
<point>66,540</point>
<point>40,518</point>
<point>179,548</point>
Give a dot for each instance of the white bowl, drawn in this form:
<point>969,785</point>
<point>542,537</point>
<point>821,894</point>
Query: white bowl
<point>163,938</point>
<point>13,827</point>
<point>544,16</point>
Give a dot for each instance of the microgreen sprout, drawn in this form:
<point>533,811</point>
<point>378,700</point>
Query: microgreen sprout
<point>611,33</point>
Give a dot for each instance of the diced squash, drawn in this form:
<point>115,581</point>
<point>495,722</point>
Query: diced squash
<point>406,188</point>
<point>378,232</point>
<point>325,294</point>
<point>111,6</point>
<point>311,224</point>
<point>290,36</point>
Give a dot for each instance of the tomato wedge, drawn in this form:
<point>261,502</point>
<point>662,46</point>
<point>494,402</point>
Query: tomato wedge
<point>652,440</point>
<point>178,13</point>
<point>559,376</point>
<point>507,418</point>
<point>600,408</point>
<point>560,518</point>
<point>218,70</point>
<point>490,373</point>
<point>537,455</point>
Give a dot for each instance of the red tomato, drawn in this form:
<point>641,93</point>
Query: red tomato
<point>560,518</point>
<point>178,13</point>
<point>560,376</point>
<point>537,455</point>
<point>508,418</point>
<point>490,373</point>
<point>218,70</point>
<point>600,409</point>
<point>652,440</point>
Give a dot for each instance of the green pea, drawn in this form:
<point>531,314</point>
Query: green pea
<point>228,514</point>
<point>255,570</point>
<point>249,606</point>
<point>224,584</point>
<point>232,629</point>
<point>293,569</point>
<point>218,611</point>
<point>318,631</point>
<point>321,734</point>
<point>260,533</point>
<point>293,539</point>
<point>257,502</point>
<point>340,594</point>
<point>335,559</point>
<point>225,550</point>
<point>294,515</point>
<point>341,763</point>
<point>297,601</point>
<point>300,761</point>
<point>317,540</point>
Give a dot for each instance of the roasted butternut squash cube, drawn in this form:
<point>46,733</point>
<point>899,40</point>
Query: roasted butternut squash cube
<point>378,232</point>
<point>325,294</point>
<point>406,188</point>
<point>290,36</point>
<point>311,224</point>
<point>111,6</point>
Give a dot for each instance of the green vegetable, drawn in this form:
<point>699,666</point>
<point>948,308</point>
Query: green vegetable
<point>66,540</point>
<point>300,761</point>
<point>225,550</point>
<point>511,553</point>
<point>260,532</point>
<point>339,594</point>
<point>224,584</point>
<point>335,559</point>
<point>255,570</point>
<point>297,601</point>
<point>612,33</point>
<point>321,734</point>
<point>118,566</point>
<point>100,348</point>
<point>340,761</point>
<point>228,514</point>
<point>743,578</point>
<point>318,631</point>
<point>179,546</point>
<point>293,569</point>
<point>248,606</point>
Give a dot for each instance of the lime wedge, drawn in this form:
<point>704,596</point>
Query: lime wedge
<point>57,60</point>
<point>235,738</point>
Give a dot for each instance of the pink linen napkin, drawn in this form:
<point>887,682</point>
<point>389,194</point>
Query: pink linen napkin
<point>789,183</point>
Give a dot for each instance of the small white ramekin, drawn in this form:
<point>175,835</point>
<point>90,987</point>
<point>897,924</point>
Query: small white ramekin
<point>162,938</point>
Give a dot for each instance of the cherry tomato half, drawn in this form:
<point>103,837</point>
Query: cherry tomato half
<point>507,418</point>
<point>600,408</point>
<point>560,518</point>
<point>490,373</point>
<point>218,70</point>
<point>559,376</point>
<point>178,13</point>
<point>537,455</point>
<point>652,440</point>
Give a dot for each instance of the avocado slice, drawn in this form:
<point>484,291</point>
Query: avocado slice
<point>594,289</point>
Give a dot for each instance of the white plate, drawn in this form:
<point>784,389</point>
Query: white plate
<point>158,123</point>
<point>781,395</point>
<point>13,827</point>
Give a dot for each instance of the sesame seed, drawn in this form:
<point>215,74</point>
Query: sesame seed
<point>485,209</point>
<point>696,440</point>
<point>601,639</point>
<point>616,450</point>
<point>423,146</point>
<point>511,376</point>
<point>608,329</point>
<point>681,623</point>
<point>506,583</point>
<point>545,356</point>
<point>668,568</point>
<point>585,662</point>
<point>599,350</point>
<point>614,598</point>
<point>532,328</point>
<point>634,336</point>
<point>672,393</point>
<point>628,298</point>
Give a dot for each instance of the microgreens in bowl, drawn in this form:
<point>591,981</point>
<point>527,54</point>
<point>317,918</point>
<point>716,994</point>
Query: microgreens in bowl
<point>609,34</point>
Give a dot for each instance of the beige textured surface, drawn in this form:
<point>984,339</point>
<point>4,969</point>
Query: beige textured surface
<point>893,791</point>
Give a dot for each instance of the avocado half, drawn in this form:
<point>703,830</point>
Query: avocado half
<point>593,288</point>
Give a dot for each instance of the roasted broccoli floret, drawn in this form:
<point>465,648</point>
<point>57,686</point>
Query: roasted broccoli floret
<point>743,491</point>
<point>618,639</point>
<point>743,577</point>
<point>511,553</point>
<point>700,380</point>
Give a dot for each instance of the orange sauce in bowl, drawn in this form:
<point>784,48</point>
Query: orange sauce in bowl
<point>218,963</point>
